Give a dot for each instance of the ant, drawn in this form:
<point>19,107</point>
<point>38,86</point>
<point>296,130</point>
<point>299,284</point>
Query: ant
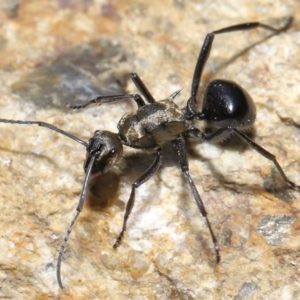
<point>226,106</point>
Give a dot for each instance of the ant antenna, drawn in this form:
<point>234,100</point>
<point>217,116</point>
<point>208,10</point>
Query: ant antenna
<point>83,190</point>
<point>49,126</point>
<point>78,209</point>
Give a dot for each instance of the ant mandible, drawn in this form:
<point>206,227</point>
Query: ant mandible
<point>226,106</point>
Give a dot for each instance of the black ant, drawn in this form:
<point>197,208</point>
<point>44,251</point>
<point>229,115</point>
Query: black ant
<point>226,106</point>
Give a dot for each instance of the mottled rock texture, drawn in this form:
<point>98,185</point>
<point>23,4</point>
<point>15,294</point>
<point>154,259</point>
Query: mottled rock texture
<point>59,51</point>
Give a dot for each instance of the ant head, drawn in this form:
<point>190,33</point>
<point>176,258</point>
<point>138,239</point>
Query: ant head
<point>107,149</point>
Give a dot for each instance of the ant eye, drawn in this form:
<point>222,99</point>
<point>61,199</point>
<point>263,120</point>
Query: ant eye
<point>113,152</point>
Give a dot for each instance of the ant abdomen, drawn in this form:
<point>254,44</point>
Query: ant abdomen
<point>226,103</point>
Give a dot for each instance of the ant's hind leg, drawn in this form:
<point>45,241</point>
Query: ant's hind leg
<point>219,134</point>
<point>269,156</point>
<point>205,52</point>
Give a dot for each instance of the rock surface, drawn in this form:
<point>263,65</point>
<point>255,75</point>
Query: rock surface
<point>59,51</point>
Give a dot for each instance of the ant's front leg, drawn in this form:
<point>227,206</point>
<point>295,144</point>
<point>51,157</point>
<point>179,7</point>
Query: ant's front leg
<point>145,176</point>
<point>107,99</point>
<point>140,85</point>
<point>112,98</point>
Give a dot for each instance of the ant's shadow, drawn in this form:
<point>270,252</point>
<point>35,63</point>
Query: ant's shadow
<point>103,189</point>
<point>101,192</point>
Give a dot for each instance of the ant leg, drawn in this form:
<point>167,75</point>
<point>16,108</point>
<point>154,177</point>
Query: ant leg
<point>213,137</point>
<point>194,132</point>
<point>136,97</point>
<point>205,51</point>
<point>46,125</point>
<point>219,134</point>
<point>179,144</point>
<point>269,156</point>
<point>145,176</point>
<point>107,99</point>
<point>142,88</point>
<point>144,91</point>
